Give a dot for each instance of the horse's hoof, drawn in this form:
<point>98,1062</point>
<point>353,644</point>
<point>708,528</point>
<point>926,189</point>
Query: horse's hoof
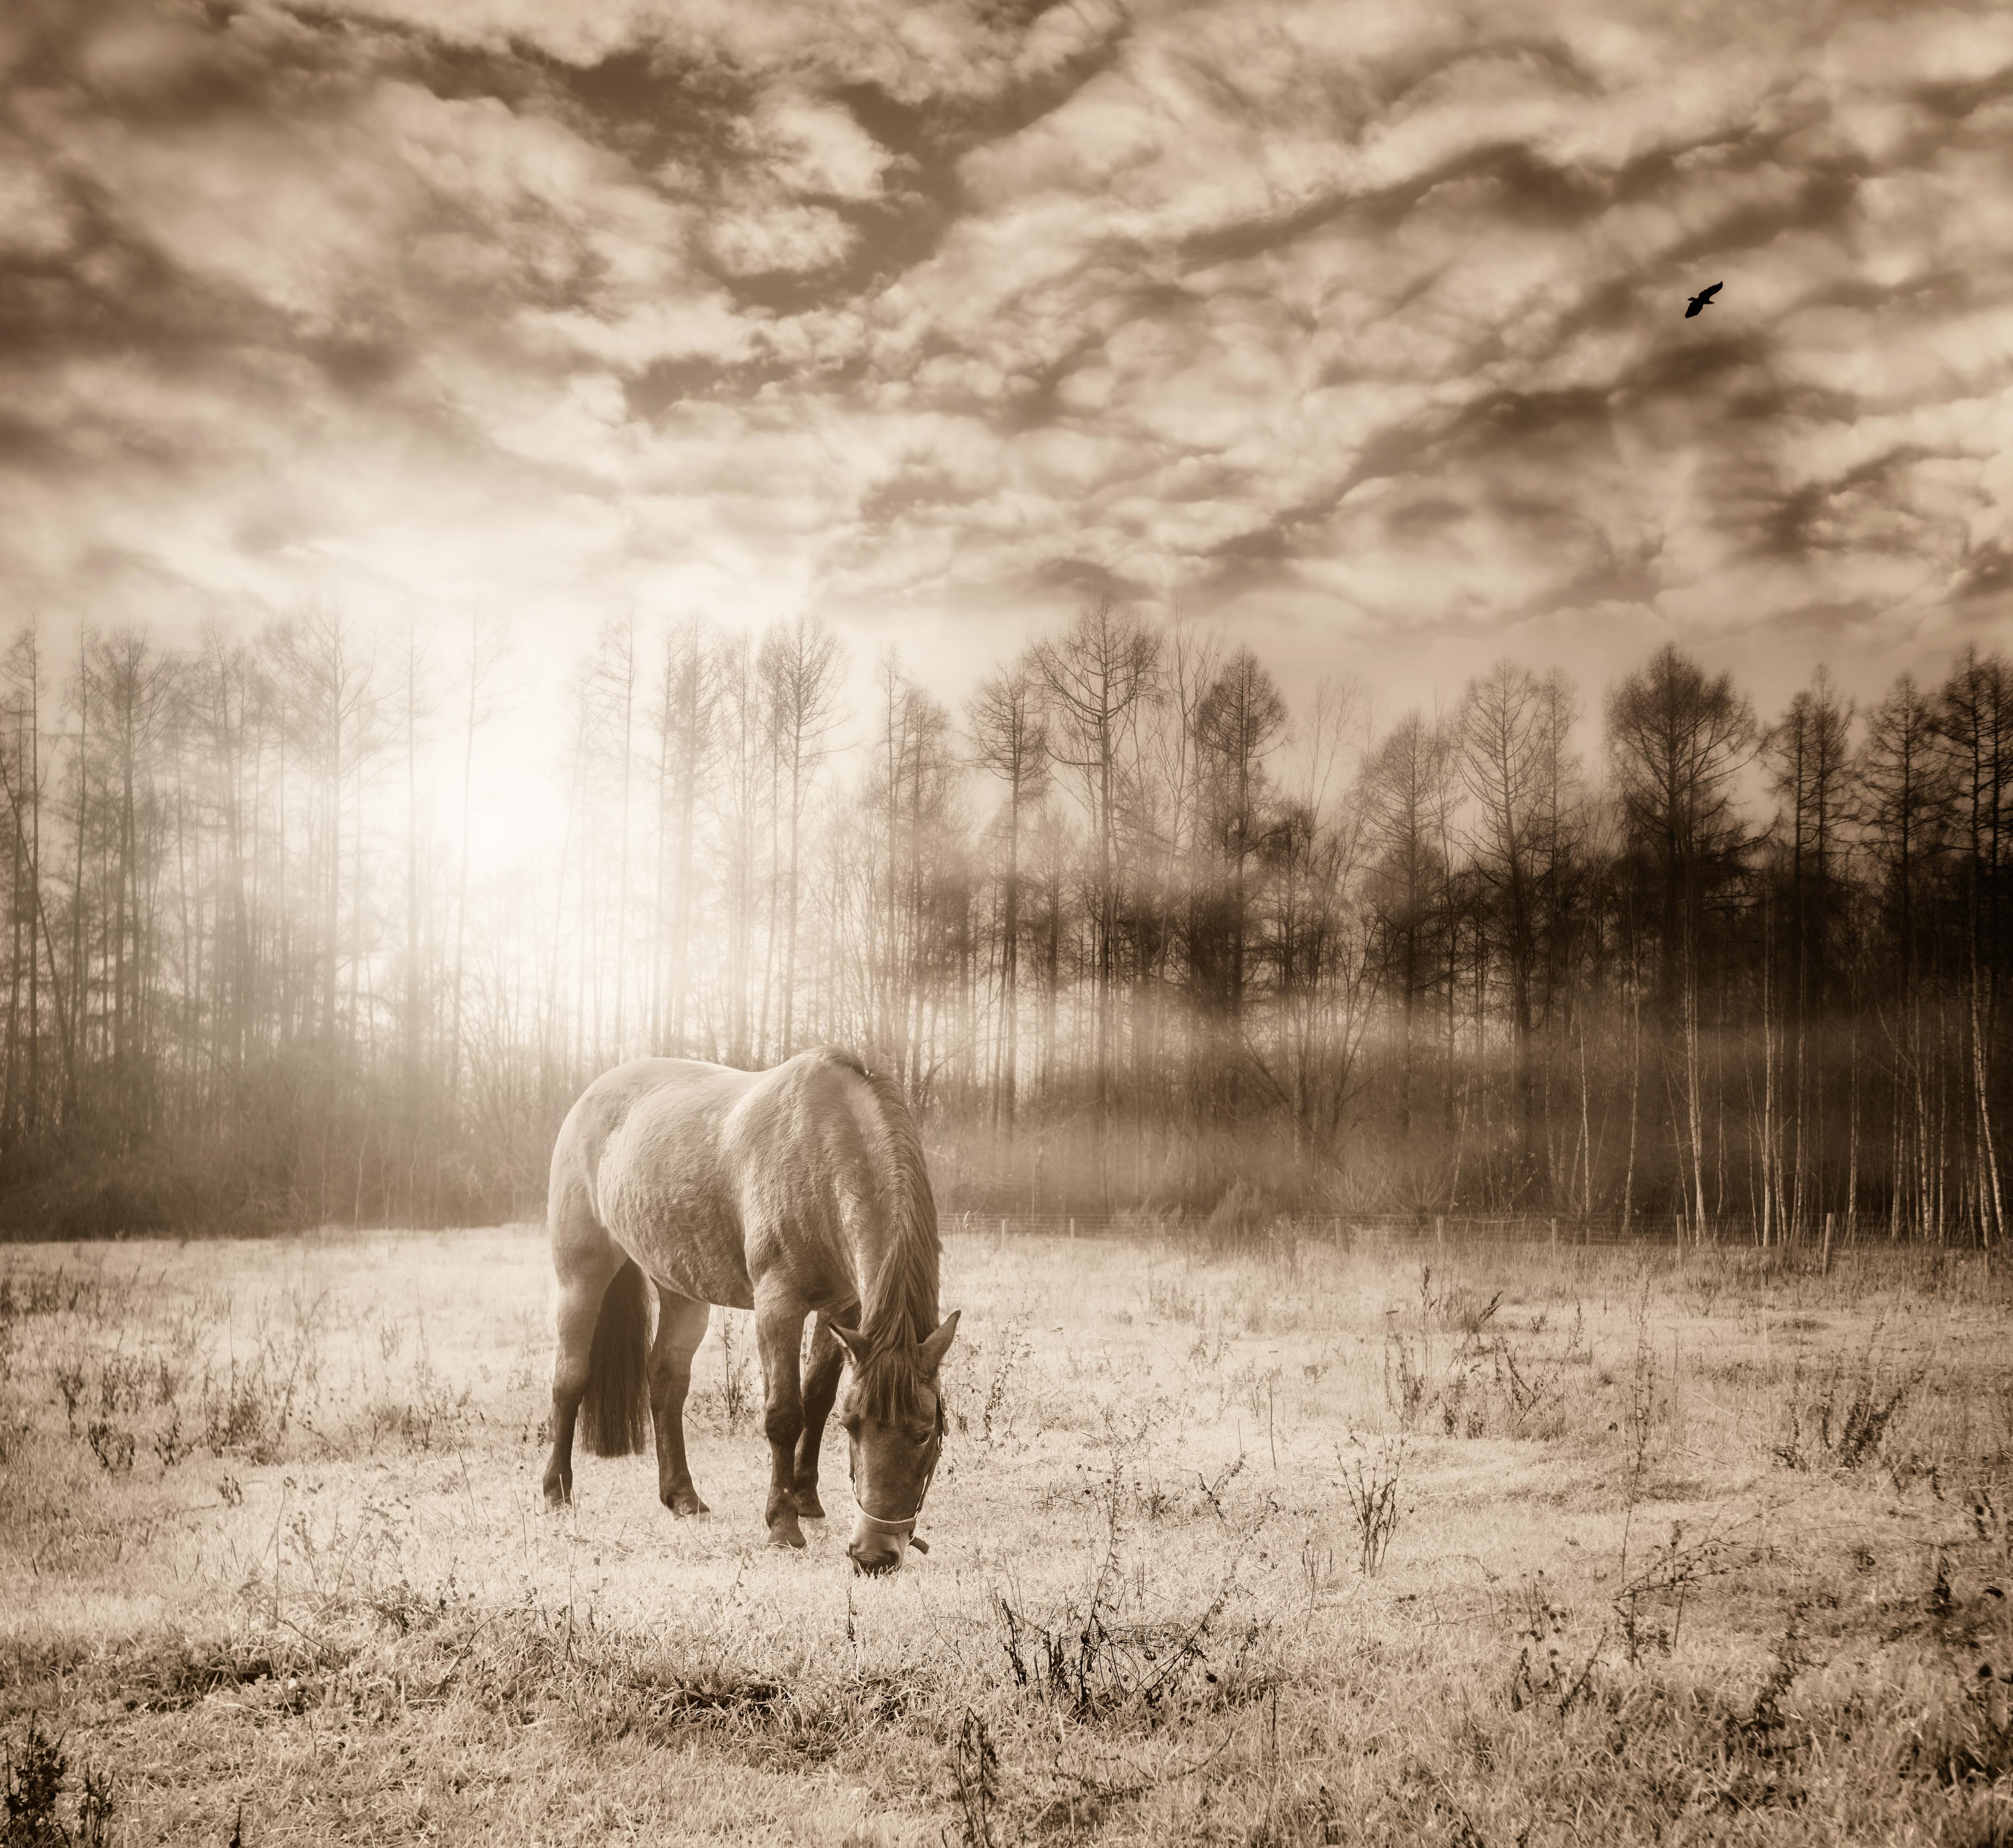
<point>685,1501</point>
<point>557,1494</point>
<point>787,1534</point>
<point>809,1505</point>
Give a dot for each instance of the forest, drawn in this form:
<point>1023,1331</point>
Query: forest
<point>1137,930</point>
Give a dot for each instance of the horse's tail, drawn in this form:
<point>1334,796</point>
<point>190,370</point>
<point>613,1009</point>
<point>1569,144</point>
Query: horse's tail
<point>614,1414</point>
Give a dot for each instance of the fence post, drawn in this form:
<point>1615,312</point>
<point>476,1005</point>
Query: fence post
<point>1072,1225</point>
<point>1824,1264</point>
<point>1439,1234</point>
<point>1555,1234</point>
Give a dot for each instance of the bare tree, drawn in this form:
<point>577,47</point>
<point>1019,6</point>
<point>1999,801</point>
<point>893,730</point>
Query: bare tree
<point>618,674</point>
<point>686,734</point>
<point>325,673</point>
<point>1097,674</point>
<point>477,706</point>
<point>1505,738</point>
<point>1238,723</point>
<point>1408,787</point>
<point>1806,756</point>
<point>1677,739</point>
<point>131,686</point>
<point>1975,721</point>
<point>800,665</point>
<point>1010,741</point>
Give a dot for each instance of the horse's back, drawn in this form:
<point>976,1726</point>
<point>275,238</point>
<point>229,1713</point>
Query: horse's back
<point>673,1158</point>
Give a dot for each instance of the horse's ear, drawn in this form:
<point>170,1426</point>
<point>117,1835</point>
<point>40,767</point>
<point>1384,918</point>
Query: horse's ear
<point>930,1353</point>
<point>852,1341</point>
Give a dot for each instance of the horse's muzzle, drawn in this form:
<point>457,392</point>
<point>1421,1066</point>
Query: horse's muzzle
<point>874,1550</point>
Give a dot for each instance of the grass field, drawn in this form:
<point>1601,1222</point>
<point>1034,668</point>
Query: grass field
<point>1304,1545</point>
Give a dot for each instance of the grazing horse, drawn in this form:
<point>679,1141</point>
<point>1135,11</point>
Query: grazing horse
<point>789,1192</point>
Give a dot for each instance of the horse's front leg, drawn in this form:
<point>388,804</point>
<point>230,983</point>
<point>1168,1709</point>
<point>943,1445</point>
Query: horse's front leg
<point>821,1374</point>
<point>680,1328</point>
<point>779,1334</point>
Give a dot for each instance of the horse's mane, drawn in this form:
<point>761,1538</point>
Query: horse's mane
<point>898,1304</point>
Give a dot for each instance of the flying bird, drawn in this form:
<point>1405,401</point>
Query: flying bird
<point>1702,299</point>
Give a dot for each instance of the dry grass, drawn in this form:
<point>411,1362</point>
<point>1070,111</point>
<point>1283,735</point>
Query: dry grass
<point>1304,1545</point>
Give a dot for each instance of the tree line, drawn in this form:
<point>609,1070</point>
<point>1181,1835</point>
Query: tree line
<point>1132,930</point>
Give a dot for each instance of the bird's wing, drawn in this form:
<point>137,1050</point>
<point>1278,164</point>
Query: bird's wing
<point>1708,294</point>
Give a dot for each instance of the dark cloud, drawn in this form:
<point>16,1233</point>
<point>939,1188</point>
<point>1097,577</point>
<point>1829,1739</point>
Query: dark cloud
<point>1350,320</point>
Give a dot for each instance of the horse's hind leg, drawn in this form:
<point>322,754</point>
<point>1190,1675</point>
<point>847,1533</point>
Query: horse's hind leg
<point>680,1328</point>
<point>579,1309</point>
<point>586,1259</point>
<point>827,1360</point>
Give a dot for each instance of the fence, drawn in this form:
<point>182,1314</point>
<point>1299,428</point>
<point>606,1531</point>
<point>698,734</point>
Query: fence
<point>1373,1230</point>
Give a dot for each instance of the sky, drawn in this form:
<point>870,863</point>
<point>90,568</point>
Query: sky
<point>1354,326</point>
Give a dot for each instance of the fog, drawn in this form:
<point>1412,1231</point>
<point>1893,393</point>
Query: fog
<point>1138,926</point>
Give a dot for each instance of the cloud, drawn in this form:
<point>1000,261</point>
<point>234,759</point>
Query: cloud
<point>1352,322</point>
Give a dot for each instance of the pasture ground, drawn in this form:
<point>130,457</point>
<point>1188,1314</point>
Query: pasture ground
<point>1301,1545</point>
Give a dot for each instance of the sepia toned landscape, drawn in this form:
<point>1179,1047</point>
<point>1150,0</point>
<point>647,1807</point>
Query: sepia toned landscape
<point>1237,775</point>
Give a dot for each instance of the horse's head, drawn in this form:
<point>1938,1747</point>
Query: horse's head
<point>892,1414</point>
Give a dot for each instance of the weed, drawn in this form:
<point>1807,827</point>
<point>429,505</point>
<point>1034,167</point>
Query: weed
<point>1541,1628</point>
<point>1206,1352</point>
<point>122,1384</point>
<point>995,1417</point>
<point>1532,1391</point>
<point>431,1416</point>
<point>1316,1566</point>
<point>1212,1492</point>
<point>1649,1605</point>
<point>50,1293</point>
<point>1372,1486</point>
<point>1457,1307</point>
<point>1789,1659</point>
<point>1405,1386</point>
<point>1258,1386</point>
<point>242,1418</point>
<point>70,1383</point>
<point>975,1779</point>
<point>1844,1427</point>
<point>1239,1225</point>
<point>34,1783</point>
<point>1094,1659</point>
<point>94,1809</point>
<point>736,1392</point>
<point>1091,1663</point>
<point>1990,1521</point>
<point>1171,1301</point>
<point>1973,1743</point>
<point>34,1793</point>
<point>113,1446</point>
<point>404,1610</point>
<point>1458,1416</point>
<point>1487,1384</point>
<point>1639,1417</point>
<point>169,1443</point>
